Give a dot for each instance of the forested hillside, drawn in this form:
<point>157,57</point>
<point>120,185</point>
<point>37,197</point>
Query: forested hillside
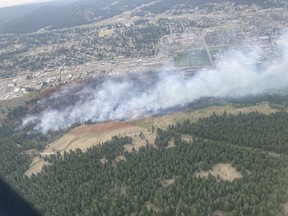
<point>164,179</point>
<point>172,176</point>
<point>267,132</point>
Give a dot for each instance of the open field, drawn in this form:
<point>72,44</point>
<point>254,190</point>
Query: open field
<point>195,114</point>
<point>225,171</point>
<point>192,60</point>
<point>86,136</point>
<point>285,207</point>
<point>218,213</point>
<point>36,166</point>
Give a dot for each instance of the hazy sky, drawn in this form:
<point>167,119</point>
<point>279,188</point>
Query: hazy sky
<point>7,3</point>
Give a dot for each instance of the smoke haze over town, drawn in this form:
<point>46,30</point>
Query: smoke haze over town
<point>235,74</point>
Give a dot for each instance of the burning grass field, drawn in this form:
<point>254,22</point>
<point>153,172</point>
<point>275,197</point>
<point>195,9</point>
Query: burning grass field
<point>86,136</point>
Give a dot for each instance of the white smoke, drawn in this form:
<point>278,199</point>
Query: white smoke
<point>235,74</point>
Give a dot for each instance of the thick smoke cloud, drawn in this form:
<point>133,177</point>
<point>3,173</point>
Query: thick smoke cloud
<point>236,74</point>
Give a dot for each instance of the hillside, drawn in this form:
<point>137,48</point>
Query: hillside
<point>146,107</point>
<point>168,175</point>
<point>26,19</point>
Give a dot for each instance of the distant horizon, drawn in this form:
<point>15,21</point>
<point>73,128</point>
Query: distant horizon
<point>11,3</point>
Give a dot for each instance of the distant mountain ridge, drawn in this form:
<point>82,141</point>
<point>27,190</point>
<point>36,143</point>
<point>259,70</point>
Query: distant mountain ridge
<point>30,18</point>
<point>69,15</point>
<point>7,14</point>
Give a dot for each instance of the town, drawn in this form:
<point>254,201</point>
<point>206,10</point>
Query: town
<point>136,40</point>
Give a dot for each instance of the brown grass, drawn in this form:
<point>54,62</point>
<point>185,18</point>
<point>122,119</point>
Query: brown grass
<point>99,127</point>
<point>119,158</point>
<point>150,205</point>
<point>195,114</point>
<point>138,142</point>
<point>171,143</point>
<point>123,190</point>
<point>167,182</point>
<point>36,166</point>
<point>84,137</point>
<point>187,138</point>
<point>224,170</point>
<point>218,213</point>
<point>285,208</point>
<point>103,160</point>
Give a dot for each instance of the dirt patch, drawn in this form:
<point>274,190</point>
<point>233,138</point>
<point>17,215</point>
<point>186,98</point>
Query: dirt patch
<point>119,158</point>
<point>218,213</point>
<point>103,160</point>
<point>285,208</point>
<point>47,92</point>
<point>99,127</point>
<point>171,143</point>
<point>187,138</point>
<point>123,190</point>
<point>167,182</point>
<point>273,154</point>
<point>225,171</point>
<point>150,205</point>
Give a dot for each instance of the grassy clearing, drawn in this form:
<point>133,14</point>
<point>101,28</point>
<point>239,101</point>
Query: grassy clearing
<point>224,171</point>
<point>285,208</point>
<point>143,123</point>
<point>138,142</point>
<point>192,59</point>
<point>86,136</point>
<point>36,166</point>
<point>150,205</point>
<point>171,143</point>
<point>195,114</point>
<point>72,141</point>
<point>218,213</point>
<point>187,138</point>
<point>168,182</point>
<point>120,158</point>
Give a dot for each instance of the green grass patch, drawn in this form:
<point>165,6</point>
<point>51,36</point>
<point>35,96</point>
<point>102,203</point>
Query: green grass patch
<point>192,59</point>
<point>143,124</point>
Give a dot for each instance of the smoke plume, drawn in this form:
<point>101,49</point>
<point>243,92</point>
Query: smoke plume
<point>236,73</point>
